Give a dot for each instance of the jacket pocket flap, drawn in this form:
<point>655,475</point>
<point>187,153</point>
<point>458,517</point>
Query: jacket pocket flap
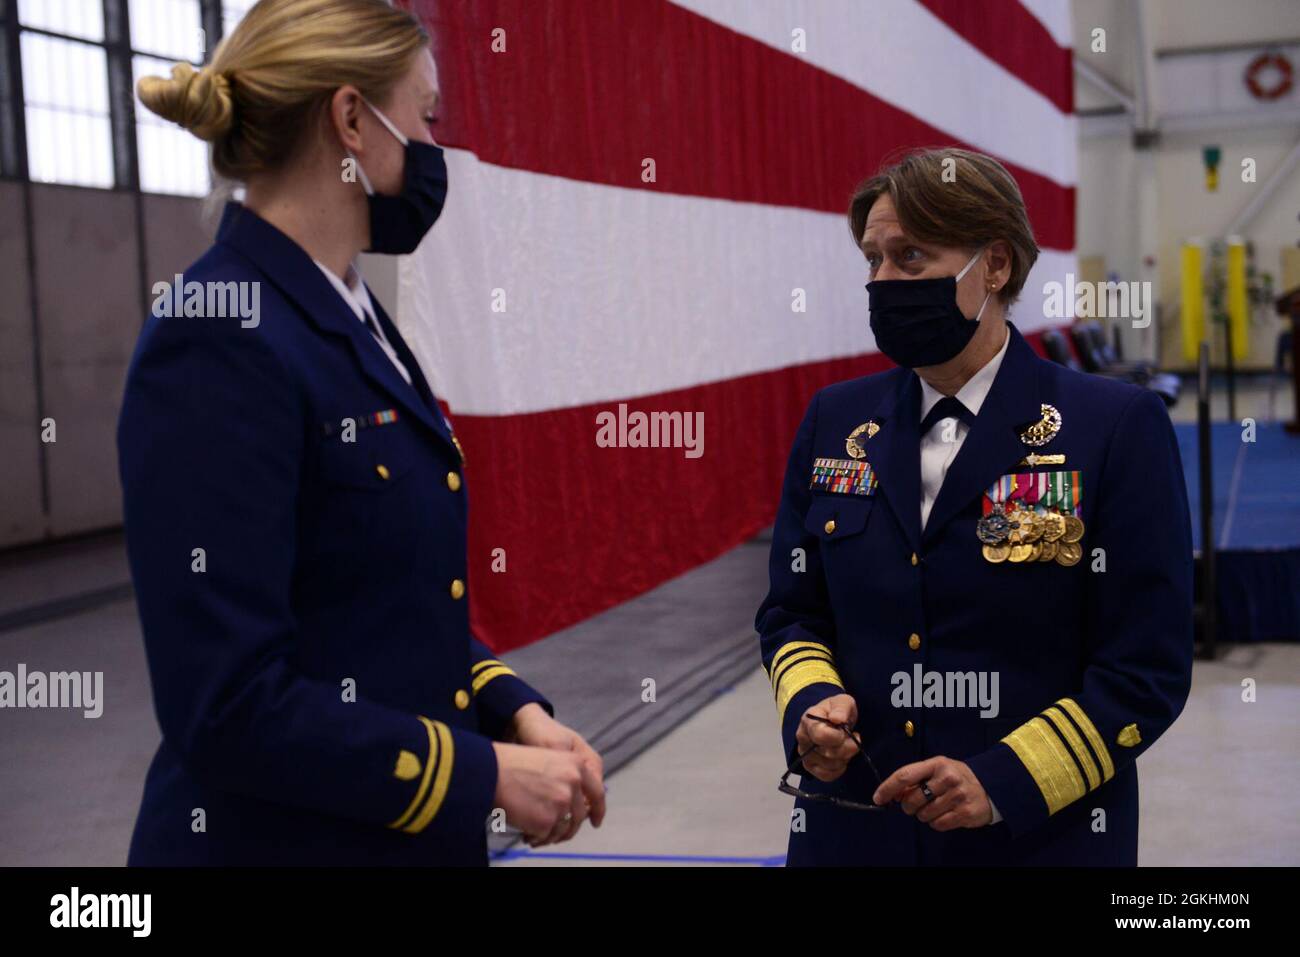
<point>831,517</point>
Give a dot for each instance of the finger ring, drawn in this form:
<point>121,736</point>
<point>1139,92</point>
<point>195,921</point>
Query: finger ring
<point>925,790</point>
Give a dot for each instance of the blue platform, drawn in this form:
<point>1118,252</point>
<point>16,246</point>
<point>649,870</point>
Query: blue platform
<point>1256,488</point>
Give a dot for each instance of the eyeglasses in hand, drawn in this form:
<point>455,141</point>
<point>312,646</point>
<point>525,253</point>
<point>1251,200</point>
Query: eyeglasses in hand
<point>787,788</point>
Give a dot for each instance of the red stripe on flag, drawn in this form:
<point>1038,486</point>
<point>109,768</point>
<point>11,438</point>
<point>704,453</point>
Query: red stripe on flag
<point>585,528</point>
<point>1012,37</point>
<point>590,94</point>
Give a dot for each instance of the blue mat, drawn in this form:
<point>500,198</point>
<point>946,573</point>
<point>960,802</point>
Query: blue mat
<point>1256,487</point>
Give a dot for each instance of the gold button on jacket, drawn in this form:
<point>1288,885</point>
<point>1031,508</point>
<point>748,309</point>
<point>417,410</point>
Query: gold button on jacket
<point>462,699</point>
<point>453,481</point>
<point>457,588</point>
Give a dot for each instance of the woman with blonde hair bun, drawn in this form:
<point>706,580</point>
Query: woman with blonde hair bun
<point>294,501</point>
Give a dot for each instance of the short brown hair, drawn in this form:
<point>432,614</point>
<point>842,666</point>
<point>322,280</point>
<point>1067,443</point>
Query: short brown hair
<point>977,203</point>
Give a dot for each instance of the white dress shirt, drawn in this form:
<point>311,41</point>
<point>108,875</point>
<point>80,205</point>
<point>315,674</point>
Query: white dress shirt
<point>940,445</point>
<point>354,293</point>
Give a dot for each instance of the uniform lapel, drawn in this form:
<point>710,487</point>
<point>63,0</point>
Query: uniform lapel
<point>895,457</point>
<point>993,446</point>
<point>418,381</point>
<point>289,267</point>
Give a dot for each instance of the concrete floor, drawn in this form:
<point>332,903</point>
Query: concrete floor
<point>705,793</point>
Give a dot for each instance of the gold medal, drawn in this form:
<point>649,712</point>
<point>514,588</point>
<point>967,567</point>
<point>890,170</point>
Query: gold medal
<point>1021,553</point>
<point>1053,526</point>
<point>1069,553</point>
<point>1049,551</point>
<point>1019,528</point>
<point>997,553</point>
<point>1073,529</point>
<point>1035,552</point>
<point>1034,527</point>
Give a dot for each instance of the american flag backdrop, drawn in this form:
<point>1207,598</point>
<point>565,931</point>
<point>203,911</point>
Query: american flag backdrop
<point>647,207</point>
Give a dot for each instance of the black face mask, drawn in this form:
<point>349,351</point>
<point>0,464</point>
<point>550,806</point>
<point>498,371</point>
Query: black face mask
<point>916,322</point>
<point>398,223</point>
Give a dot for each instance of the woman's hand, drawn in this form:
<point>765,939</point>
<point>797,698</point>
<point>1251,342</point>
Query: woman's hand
<point>957,797</point>
<point>827,750</point>
<point>544,793</point>
<point>537,730</point>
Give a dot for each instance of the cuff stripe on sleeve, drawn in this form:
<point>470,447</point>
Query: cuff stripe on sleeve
<point>1075,747</point>
<point>446,757</point>
<point>487,674</point>
<point>1047,758</point>
<point>1063,753</point>
<point>797,665</point>
<point>429,766</point>
<point>794,660</point>
<point>1078,743</point>
<point>1090,732</point>
<point>791,647</point>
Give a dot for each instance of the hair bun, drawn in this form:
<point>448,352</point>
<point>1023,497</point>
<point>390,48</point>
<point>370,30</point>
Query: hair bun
<point>199,101</point>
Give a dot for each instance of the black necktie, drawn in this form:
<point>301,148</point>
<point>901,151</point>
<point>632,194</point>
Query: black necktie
<point>949,407</point>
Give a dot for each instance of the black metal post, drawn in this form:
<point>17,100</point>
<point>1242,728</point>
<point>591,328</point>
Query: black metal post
<point>1209,594</point>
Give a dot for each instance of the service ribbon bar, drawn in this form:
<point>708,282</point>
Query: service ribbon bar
<point>843,476</point>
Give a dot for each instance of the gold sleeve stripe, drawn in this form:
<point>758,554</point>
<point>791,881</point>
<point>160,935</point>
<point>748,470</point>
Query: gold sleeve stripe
<point>1090,732</point>
<point>483,677</point>
<point>1070,735</point>
<point>446,757</point>
<point>800,676</point>
<point>792,660</point>
<point>793,646</point>
<point>485,663</point>
<point>1044,754</point>
<point>1082,749</point>
<point>423,789</point>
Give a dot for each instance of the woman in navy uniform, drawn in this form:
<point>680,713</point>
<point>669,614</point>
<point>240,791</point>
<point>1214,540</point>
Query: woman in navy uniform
<point>295,507</point>
<point>981,570</point>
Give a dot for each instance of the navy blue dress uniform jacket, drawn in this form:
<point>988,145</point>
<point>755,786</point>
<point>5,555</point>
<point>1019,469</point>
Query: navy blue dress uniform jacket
<point>1093,665</point>
<point>320,696</point>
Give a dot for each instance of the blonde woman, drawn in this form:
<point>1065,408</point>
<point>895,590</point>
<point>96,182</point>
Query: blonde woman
<point>294,500</point>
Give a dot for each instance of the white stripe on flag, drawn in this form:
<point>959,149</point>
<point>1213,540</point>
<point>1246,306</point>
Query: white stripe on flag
<point>615,293</point>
